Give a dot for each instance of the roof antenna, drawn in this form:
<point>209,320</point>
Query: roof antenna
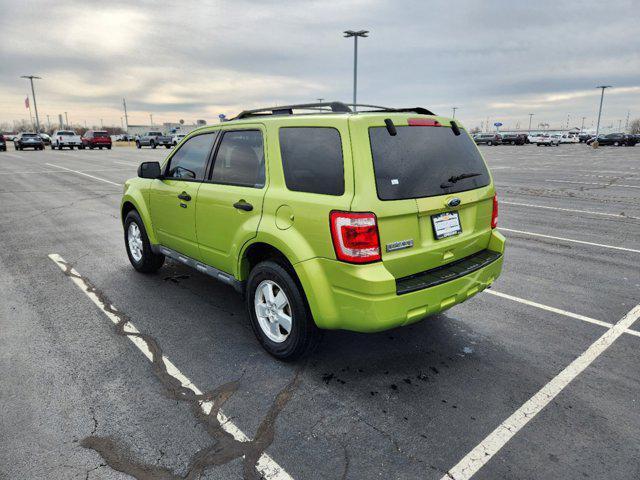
<point>391,128</point>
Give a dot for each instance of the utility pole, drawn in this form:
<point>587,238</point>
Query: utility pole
<point>454,112</point>
<point>66,120</point>
<point>603,87</point>
<point>355,35</point>
<point>530,117</point>
<point>626,124</point>
<point>48,123</point>
<point>124,104</point>
<point>582,126</point>
<point>619,124</point>
<point>101,124</point>
<point>151,117</point>
<point>33,93</point>
<point>320,100</point>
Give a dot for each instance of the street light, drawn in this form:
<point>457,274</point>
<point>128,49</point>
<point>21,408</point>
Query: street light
<point>33,93</point>
<point>151,118</point>
<point>582,127</point>
<point>355,35</point>
<point>530,117</point>
<point>600,112</point>
<point>454,112</point>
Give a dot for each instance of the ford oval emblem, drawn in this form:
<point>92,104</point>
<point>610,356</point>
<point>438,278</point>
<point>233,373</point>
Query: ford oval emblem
<point>454,202</point>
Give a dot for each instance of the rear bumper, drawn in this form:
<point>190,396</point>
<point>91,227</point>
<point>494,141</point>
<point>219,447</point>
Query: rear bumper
<point>364,298</point>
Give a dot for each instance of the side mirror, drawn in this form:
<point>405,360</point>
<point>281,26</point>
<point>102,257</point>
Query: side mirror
<point>149,170</point>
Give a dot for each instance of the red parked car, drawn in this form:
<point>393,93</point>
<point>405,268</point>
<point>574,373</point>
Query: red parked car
<point>96,139</point>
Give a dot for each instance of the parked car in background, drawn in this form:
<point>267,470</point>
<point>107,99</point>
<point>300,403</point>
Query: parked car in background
<point>46,139</point>
<point>154,139</point>
<point>177,138</point>
<point>583,137</point>
<point>28,140</point>
<point>514,138</point>
<point>488,139</point>
<point>3,144</point>
<point>569,138</point>
<point>534,137</point>
<point>548,140</point>
<point>614,140</point>
<point>65,138</point>
<point>96,139</point>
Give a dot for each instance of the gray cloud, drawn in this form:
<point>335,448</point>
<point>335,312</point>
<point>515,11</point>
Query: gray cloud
<point>498,59</point>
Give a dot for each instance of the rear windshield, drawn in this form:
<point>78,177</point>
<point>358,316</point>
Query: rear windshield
<point>424,162</point>
<point>67,134</point>
<point>29,135</point>
<point>100,134</point>
<point>155,134</point>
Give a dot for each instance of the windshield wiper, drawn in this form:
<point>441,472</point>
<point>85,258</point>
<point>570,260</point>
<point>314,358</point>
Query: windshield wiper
<point>455,178</point>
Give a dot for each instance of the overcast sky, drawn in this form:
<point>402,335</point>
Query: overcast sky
<point>192,60</point>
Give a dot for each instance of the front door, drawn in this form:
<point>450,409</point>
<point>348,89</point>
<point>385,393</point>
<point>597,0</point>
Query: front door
<point>173,199</point>
<point>229,206</point>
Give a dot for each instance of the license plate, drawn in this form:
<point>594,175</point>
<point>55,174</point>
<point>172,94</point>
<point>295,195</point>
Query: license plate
<point>446,225</point>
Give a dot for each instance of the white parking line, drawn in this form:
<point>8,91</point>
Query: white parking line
<point>593,183</point>
<point>570,240</point>
<point>86,175</point>
<point>13,155</point>
<point>61,171</point>
<point>558,311</point>
<point>265,465</point>
<point>129,164</point>
<point>573,210</point>
<point>493,443</point>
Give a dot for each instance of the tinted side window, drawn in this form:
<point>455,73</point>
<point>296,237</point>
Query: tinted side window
<point>240,159</point>
<point>312,160</point>
<point>190,161</point>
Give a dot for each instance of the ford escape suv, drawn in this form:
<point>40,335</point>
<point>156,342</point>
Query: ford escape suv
<point>322,217</point>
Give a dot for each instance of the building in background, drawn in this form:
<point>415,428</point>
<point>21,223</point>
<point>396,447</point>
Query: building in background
<point>166,128</point>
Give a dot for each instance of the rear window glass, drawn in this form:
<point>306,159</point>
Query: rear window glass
<point>424,162</point>
<point>66,134</point>
<point>155,134</point>
<point>312,160</point>
<point>29,135</point>
<point>100,134</point>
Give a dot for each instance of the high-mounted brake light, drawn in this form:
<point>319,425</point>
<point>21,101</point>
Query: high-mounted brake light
<point>423,122</point>
<point>355,237</point>
<point>494,214</point>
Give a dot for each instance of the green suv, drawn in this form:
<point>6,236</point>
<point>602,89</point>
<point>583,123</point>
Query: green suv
<point>323,217</point>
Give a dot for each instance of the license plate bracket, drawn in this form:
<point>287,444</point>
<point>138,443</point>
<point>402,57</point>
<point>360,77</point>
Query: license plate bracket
<point>445,225</point>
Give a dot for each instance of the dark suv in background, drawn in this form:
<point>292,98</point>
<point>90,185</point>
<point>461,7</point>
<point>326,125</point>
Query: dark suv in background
<point>514,138</point>
<point>488,139</point>
<point>28,140</point>
<point>615,139</point>
<point>3,144</point>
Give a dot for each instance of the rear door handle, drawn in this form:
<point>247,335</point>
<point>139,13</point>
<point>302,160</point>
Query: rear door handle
<point>242,205</point>
<point>185,196</point>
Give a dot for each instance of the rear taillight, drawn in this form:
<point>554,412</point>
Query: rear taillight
<point>494,214</point>
<point>355,237</point>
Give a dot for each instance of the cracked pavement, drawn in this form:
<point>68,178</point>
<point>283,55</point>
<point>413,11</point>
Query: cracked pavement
<point>78,401</point>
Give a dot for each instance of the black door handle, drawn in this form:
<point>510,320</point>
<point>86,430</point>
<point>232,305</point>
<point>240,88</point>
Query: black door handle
<point>242,205</point>
<point>185,196</point>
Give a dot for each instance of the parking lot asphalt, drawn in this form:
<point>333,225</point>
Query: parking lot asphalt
<point>535,378</point>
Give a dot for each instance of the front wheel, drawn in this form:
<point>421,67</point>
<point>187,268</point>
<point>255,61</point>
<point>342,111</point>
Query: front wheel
<point>279,314</point>
<point>138,246</point>
<point>138,145</point>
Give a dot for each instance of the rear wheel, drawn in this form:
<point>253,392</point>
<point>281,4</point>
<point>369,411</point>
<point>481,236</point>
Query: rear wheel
<point>152,144</point>
<point>138,246</point>
<point>138,145</point>
<point>490,143</point>
<point>279,314</point>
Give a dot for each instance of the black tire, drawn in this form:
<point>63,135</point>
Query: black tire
<point>304,335</point>
<point>150,261</point>
<point>167,146</point>
<point>109,147</point>
<point>616,144</point>
<point>152,144</point>
<point>138,145</point>
<point>490,143</point>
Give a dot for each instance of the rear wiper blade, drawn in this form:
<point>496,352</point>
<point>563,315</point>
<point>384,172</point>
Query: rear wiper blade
<point>455,178</point>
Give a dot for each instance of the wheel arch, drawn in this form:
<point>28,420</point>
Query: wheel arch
<point>129,203</point>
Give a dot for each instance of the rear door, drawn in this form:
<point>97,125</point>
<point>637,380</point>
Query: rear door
<point>429,188</point>
<point>172,200</point>
<point>229,204</point>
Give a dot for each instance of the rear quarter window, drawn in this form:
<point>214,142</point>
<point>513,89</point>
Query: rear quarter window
<point>312,159</point>
<point>420,161</point>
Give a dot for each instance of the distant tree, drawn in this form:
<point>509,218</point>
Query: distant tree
<point>634,126</point>
<point>475,130</point>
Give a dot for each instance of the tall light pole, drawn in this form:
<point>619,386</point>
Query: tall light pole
<point>530,117</point>
<point>600,111</point>
<point>355,35</point>
<point>66,120</point>
<point>582,126</point>
<point>151,118</point>
<point>101,124</point>
<point>33,93</point>
<point>454,112</point>
<point>126,117</point>
<point>320,100</point>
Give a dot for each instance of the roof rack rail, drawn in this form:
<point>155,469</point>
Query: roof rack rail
<point>334,107</point>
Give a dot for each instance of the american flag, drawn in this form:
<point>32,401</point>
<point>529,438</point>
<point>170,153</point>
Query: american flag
<point>26,102</point>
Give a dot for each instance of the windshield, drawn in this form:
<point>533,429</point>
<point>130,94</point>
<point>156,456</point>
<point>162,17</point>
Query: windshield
<point>422,161</point>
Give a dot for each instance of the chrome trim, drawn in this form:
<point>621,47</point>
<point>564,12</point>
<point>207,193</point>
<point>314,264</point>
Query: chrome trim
<point>400,245</point>
<point>201,267</point>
